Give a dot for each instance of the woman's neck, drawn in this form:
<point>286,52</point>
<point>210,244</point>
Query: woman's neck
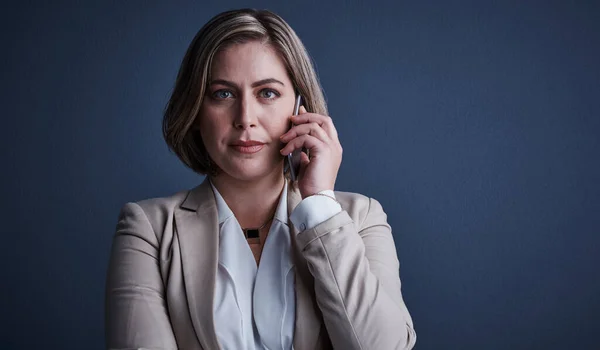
<point>252,202</point>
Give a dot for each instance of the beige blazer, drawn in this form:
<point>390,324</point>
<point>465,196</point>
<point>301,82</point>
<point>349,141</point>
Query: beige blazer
<point>163,263</point>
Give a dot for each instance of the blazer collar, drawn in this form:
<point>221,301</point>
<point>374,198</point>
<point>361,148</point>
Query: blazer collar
<point>197,226</point>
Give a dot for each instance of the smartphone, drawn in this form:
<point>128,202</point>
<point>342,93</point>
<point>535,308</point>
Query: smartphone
<point>293,159</point>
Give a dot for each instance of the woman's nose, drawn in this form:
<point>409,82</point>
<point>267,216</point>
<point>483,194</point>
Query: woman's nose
<point>246,116</point>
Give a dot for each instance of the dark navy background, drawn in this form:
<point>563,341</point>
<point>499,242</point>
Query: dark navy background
<point>475,123</point>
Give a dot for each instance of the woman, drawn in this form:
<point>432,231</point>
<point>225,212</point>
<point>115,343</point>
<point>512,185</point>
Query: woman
<point>250,259</point>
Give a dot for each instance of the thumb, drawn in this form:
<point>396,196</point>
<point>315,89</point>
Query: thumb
<point>304,161</point>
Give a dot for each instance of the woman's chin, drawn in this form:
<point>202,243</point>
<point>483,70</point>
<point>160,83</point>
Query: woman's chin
<point>252,172</point>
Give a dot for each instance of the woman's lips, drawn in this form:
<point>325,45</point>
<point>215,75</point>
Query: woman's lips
<point>247,147</point>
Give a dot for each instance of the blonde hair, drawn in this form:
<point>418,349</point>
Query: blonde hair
<point>227,28</point>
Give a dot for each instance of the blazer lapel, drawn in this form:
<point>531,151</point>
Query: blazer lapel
<point>197,227</point>
<point>308,320</point>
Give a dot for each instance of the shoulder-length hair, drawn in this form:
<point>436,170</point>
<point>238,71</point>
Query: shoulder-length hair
<point>227,28</point>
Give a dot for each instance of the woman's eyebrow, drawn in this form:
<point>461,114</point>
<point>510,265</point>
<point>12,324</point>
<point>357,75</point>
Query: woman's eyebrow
<point>223,82</point>
<point>255,84</point>
<point>267,81</point>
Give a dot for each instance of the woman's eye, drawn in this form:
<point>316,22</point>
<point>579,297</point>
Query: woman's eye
<point>222,94</point>
<point>268,94</point>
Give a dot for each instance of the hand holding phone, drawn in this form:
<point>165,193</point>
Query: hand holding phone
<point>314,133</point>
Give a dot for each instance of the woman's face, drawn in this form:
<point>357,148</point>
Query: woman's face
<point>247,106</point>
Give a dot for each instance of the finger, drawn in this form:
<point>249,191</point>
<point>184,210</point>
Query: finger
<point>312,129</point>
<point>302,110</point>
<point>306,141</point>
<point>309,118</point>
<point>324,121</point>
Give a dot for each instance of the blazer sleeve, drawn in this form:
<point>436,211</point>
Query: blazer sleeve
<point>136,314</point>
<point>357,283</point>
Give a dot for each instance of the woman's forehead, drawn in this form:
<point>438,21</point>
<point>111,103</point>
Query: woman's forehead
<point>247,63</point>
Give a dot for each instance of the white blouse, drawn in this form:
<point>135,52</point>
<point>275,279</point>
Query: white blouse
<point>254,307</point>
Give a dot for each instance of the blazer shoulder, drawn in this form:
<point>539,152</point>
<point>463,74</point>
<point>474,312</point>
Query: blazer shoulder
<point>159,211</point>
<point>166,204</point>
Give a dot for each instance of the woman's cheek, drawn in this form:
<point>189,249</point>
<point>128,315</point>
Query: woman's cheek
<point>283,125</point>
